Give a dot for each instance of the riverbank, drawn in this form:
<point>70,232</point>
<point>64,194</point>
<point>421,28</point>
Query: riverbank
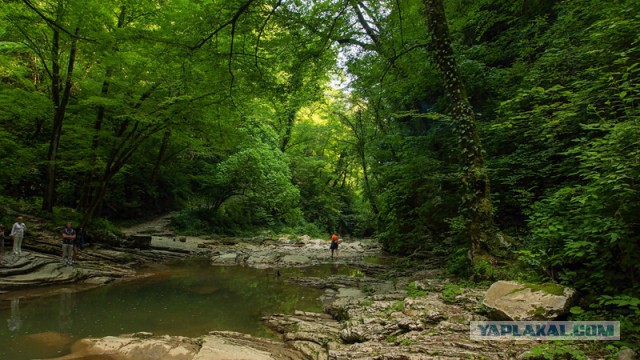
<point>374,311</point>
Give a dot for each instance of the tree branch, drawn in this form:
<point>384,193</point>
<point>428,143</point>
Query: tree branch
<point>356,42</point>
<point>365,25</point>
<point>264,25</point>
<point>233,20</point>
<point>53,23</point>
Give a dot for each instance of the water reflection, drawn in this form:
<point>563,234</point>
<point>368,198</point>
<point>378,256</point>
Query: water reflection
<point>65,314</point>
<point>14,322</point>
<point>189,299</point>
<point>333,269</point>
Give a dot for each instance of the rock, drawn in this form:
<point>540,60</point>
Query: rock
<point>627,354</point>
<point>262,259</point>
<point>224,259</point>
<point>308,333</point>
<point>162,233</point>
<point>407,324</point>
<point>209,244</point>
<point>432,317</point>
<point>215,345</point>
<point>337,305</point>
<point>352,335</point>
<point>34,269</point>
<point>182,239</point>
<point>49,339</point>
<point>509,300</point>
<point>304,238</point>
<point>140,241</point>
<point>98,280</point>
<point>136,346</point>
<point>105,237</point>
<point>289,260</point>
<point>421,286</point>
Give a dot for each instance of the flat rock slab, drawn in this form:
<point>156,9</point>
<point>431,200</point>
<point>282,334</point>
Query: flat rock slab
<point>33,269</point>
<point>510,300</point>
<point>99,280</point>
<point>294,260</point>
<point>216,345</point>
<point>236,346</point>
<point>224,259</point>
<point>273,253</point>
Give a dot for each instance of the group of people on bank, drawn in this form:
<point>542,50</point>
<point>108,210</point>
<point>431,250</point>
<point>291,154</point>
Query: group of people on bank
<point>72,241</point>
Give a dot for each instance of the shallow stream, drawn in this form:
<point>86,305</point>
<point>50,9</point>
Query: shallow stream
<point>188,298</point>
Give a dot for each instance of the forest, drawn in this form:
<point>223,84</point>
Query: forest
<point>502,135</point>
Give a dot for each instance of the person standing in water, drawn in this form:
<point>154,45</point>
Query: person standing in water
<point>17,234</point>
<point>335,240</point>
<point>68,237</point>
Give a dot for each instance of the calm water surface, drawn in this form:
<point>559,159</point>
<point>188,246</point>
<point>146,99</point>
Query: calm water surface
<point>188,299</point>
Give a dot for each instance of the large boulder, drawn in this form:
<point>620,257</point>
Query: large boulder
<point>627,354</point>
<point>263,259</point>
<point>508,300</point>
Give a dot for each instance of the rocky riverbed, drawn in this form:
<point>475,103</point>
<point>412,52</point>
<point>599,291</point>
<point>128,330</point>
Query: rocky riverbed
<point>376,313</point>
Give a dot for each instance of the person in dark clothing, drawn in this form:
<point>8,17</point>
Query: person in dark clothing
<point>78,243</point>
<point>68,237</point>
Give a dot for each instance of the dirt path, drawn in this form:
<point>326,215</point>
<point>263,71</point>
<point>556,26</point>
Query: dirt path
<point>159,225</point>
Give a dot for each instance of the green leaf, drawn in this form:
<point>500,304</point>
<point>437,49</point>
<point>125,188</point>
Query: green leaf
<point>576,310</point>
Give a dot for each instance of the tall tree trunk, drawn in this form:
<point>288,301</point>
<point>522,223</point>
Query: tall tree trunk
<point>89,177</point>
<point>96,203</point>
<point>361,137</point>
<point>288,127</point>
<point>60,105</point>
<point>367,185</point>
<point>161,153</point>
<point>476,204</point>
<point>127,139</point>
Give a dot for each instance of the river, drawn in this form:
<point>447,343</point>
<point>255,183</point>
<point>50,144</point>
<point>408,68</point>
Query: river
<point>187,298</point>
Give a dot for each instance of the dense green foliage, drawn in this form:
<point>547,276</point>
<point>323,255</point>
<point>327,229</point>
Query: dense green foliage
<point>325,116</point>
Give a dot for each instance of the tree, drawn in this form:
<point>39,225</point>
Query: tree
<point>50,51</point>
<point>476,205</point>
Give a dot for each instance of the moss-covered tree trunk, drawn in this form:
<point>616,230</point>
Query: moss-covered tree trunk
<point>476,204</point>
